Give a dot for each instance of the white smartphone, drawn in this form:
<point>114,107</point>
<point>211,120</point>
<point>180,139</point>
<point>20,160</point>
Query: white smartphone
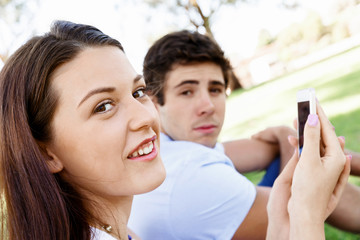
<point>306,104</point>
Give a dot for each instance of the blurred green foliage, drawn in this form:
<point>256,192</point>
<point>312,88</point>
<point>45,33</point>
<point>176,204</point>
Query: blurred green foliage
<point>311,34</point>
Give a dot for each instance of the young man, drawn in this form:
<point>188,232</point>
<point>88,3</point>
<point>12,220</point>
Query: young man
<point>203,196</point>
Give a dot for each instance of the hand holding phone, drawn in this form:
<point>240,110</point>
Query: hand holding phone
<point>306,104</point>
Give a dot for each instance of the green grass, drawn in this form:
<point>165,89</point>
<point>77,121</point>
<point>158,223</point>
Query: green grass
<point>337,84</point>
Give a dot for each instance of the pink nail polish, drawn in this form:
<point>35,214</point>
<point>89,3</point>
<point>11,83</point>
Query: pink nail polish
<point>343,138</point>
<point>349,157</point>
<point>313,120</point>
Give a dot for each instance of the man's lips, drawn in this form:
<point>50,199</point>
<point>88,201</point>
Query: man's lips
<point>210,128</point>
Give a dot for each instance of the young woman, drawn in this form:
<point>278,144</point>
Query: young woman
<point>79,137</point>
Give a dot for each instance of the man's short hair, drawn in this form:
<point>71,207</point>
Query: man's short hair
<point>184,48</point>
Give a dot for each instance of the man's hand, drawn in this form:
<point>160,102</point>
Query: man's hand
<point>274,135</point>
<point>278,135</point>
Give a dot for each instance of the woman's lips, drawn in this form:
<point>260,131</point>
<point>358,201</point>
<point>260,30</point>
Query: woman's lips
<point>145,152</point>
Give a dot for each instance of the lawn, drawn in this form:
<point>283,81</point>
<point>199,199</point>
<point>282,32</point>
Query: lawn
<point>337,84</point>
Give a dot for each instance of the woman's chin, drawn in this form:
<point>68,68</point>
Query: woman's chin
<point>157,177</point>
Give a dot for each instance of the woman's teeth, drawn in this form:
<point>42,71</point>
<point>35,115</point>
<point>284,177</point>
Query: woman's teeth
<point>143,150</point>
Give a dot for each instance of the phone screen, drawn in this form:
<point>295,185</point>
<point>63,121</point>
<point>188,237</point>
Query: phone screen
<point>303,112</point>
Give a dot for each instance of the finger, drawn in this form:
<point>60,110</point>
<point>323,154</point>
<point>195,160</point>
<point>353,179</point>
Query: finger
<point>255,136</point>
<point>312,136</point>
<point>339,188</point>
<point>322,148</point>
<point>295,123</point>
<point>343,179</point>
<point>288,171</point>
<point>342,142</point>
<point>293,141</point>
<point>327,132</point>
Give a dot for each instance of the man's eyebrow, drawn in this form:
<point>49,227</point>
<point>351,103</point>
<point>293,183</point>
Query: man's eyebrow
<point>217,82</point>
<point>96,91</point>
<point>187,82</point>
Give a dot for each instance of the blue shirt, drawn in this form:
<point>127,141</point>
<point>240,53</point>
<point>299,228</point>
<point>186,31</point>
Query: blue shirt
<point>202,197</point>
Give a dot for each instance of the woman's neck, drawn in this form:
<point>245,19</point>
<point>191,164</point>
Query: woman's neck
<point>111,215</point>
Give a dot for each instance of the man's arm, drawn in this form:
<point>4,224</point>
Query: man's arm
<point>255,224</point>
<point>355,162</point>
<point>346,215</point>
<point>259,151</point>
<point>250,154</point>
<point>278,135</point>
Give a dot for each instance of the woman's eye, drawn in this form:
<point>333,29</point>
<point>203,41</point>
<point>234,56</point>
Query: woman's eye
<point>139,93</point>
<point>104,107</point>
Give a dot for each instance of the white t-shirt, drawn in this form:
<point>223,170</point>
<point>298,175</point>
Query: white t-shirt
<point>98,234</point>
<point>202,197</point>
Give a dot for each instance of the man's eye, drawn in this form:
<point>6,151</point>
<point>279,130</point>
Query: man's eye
<point>104,107</point>
<point>139,93</point>
<point>186,93</point>
<point>216,90</point>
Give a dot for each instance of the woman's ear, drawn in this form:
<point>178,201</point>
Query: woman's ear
<point>54,164</point>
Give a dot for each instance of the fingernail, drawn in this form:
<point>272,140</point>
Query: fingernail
<point>343,138</point>
<point>349,157</point>
<point>313,120</point>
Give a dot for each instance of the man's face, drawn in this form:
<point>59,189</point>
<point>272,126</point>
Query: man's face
<point>194,106</point>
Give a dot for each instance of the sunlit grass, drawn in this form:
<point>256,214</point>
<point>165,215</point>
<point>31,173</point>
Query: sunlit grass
<point>337,84</point>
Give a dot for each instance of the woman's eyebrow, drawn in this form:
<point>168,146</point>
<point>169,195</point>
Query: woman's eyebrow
<point>138,78</point>
<point>105,89</point>
<point>96,91</point>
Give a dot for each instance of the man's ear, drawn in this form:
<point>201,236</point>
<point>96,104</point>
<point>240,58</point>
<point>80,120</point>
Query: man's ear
<point>54,164</point>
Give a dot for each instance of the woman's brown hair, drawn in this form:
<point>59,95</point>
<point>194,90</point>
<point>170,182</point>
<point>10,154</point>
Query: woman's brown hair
<point>36,204</point>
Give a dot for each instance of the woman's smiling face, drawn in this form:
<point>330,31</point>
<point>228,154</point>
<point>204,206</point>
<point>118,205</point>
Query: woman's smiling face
<point>105,128</point>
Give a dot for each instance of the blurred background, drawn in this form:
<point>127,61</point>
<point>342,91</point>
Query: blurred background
<point>263,38</point>
<point>276,47</point>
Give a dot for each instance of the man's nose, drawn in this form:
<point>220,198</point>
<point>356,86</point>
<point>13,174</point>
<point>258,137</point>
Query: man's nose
<point>205,104</point>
